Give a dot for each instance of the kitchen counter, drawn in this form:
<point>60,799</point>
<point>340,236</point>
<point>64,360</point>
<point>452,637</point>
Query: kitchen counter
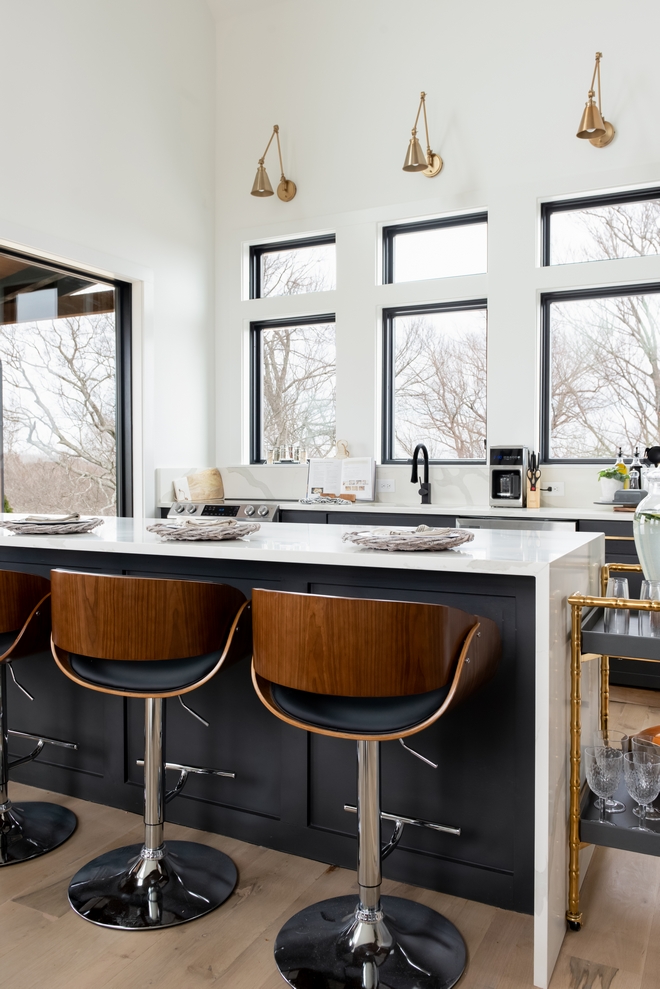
<point>503,754</point>
<point>519,552</point>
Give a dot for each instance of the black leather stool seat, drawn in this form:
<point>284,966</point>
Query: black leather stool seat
<point>371,715</point>
<point>156,675</point>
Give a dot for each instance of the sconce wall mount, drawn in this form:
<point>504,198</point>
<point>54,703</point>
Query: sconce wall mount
<point>261,186</point>
<point>416,161</point>
<point>593,126</point>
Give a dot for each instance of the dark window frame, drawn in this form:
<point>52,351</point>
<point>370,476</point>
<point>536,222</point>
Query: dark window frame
<point>587,202</point>
<point>256,397</point>
<point>123,370</point>
<point>387,410</point>
<point>390,233</point>
<point>547,298</point>
<point>258,250</point>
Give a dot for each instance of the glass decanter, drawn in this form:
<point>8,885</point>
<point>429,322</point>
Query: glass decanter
<point>646,527</point>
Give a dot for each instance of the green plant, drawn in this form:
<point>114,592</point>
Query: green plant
<point>7,507</point>
<point>612,473</point>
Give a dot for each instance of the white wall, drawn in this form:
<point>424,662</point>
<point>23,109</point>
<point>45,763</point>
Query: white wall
<point>107,161</point>
<point>506,85</point>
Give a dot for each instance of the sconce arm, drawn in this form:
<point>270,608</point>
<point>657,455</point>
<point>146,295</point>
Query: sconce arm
<point>279,151</point>
<point>599,55</point>
<point>275,131</point>
<point>422,100</point>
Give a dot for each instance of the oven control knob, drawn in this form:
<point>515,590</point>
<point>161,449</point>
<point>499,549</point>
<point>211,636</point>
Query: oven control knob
<point>179,508</point>
<point>262,510</point>
<point>191,509</point>
<point>249,510</point>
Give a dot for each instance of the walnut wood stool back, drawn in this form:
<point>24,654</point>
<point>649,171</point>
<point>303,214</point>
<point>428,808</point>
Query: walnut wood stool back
<point>369,671</point>
<point>29,828</point>
<point>149,638</point>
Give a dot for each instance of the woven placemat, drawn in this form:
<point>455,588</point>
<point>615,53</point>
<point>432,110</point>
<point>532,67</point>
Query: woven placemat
<point>191,530</point>
<point>35,525</point>
<point>424,537</point>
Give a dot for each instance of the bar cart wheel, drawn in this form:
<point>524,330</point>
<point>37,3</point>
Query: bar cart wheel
<point>574,925</point>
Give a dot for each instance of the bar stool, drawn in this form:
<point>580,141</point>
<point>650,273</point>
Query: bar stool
<point>369,671</point>
<point>30,828</point>
<point>150,638</point>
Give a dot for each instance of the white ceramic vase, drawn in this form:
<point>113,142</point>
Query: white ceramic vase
<point>608,485</point>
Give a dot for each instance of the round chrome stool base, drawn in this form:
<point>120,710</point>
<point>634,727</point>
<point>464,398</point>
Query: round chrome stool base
<point>323,947</point>
<point>128,891</point>
<point>33,828</point>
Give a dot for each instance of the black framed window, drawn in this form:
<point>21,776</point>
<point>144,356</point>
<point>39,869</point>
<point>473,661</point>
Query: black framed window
<point>453,245</point>
<point>292,393</point>
<point>434,381</point>
<point>601,372</point>
<point>65,347</point>
<point>601,228</point>
<point>293,267</point>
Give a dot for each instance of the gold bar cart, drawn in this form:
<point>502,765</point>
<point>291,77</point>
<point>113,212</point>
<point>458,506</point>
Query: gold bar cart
<point>577,603</point>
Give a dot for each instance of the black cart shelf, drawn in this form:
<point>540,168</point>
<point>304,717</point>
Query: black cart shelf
<point>590,641</point>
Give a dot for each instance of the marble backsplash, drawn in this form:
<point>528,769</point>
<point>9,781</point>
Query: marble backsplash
<point>451,487</point>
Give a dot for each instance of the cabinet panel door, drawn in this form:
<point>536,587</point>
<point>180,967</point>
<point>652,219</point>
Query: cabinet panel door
<point>306,518</point>
<point>389,518</point>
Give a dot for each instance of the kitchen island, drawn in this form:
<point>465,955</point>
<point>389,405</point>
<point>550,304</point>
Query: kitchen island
<point>503,756</point>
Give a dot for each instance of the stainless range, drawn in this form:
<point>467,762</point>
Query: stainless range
<point>255,511</point>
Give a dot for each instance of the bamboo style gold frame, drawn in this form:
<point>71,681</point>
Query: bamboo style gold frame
<point>577,603</point>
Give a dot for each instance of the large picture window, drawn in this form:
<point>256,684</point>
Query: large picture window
<point>434,388</point>
<point>601,372</point>
<point>65,351</point>
<point>293,366</point>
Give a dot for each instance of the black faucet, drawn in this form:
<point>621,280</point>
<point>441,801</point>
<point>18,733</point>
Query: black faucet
<point>425,486</point>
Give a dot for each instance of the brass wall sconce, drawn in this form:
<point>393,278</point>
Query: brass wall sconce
<point>416,161</point>
<point>593,127</point>
<point>286,190</point>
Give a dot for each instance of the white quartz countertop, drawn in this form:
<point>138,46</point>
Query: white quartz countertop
<point>521,552</point>
<point>597,513</point>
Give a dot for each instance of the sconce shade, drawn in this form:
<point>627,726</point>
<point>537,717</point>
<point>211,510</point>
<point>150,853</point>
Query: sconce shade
<point>415,158</point>
<point>262,186</point>
<point>591,124</point>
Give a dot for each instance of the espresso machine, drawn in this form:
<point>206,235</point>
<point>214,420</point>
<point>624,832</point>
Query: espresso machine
<point>507,467</point>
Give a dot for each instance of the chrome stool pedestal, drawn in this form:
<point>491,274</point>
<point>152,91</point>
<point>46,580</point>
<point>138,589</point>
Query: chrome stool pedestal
<point>156,884</point>
<point>32,828</point>
<point>369,942</point>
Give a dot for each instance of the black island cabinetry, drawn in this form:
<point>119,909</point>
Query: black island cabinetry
<point>290,787</point>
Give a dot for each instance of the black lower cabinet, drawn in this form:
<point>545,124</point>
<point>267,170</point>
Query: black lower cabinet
<point>290,786</point>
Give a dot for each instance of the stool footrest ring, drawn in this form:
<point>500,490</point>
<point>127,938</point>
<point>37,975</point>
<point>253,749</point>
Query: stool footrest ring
<point>41,740</point>
<point>184,773</point>
<point>399,821</point>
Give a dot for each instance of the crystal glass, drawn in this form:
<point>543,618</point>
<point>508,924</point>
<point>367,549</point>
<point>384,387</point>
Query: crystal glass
<point>642,774</point>
<point>646,527</point>
<point>603,767</point>
<point>645,743</point>
<point>617,620</point>
<point>611,739</point>
<point>649,621</point>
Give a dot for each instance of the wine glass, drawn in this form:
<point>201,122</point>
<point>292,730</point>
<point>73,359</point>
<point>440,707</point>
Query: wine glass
<point>611,739</point>
<point>642,773</point>
<point>645,743</point>
<point>603,766</point>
